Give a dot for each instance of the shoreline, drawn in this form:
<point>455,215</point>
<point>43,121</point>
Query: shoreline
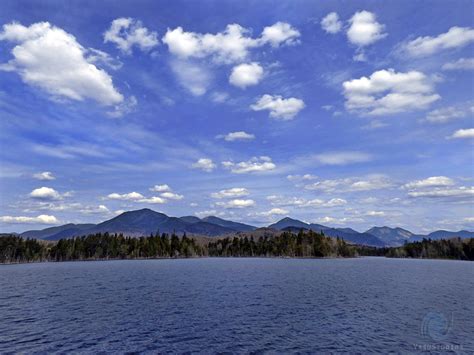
<point>226,257</point>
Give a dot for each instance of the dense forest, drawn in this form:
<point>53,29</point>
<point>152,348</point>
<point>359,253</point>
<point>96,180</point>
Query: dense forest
<point>14,249</point>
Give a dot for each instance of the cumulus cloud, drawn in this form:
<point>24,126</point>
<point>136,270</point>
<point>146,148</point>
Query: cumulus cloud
<point>331,23</point>
<point>389,92</point>
<point>364,29</point>
<point>128,32</point>
<point>255,164</point>
<point>456,37</point>
<point>131,196</point>
<point>45,175</point>
<point>230,46</point>
<point>445,114</point>
<point>171,195</point>
<point>204,164</point>
<point>237,136</point>
<point>273,212</point>
<point>244,75</point>
<point>460,64</point>
<point>342,158</point>
<point>160,188</point>
<point>41,219</point>
<point>231,193</point>
<point>371,182</point>
<point>101,209</point>
<point>375,213</point>
<point>237,203</point>
<point>281,33</point>
<point>464,133</point>
<point>461,192</point>
<point>45,193</point>
<point>279,108</point>
<point>305,203</point>
<point>51,59</point>
<point>430,182</point>
<point>153,200</point>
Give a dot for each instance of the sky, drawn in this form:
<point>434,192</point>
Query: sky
<point>344,113</point>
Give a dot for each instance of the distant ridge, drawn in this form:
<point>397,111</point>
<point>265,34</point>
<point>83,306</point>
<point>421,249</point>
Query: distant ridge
<point>146,221</point>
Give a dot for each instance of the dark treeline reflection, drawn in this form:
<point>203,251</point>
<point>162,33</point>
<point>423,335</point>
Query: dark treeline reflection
<point>14,249</point>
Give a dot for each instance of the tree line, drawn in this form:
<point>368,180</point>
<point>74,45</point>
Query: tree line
<point>105,246</point>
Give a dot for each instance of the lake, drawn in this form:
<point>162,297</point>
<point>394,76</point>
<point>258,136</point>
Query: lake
<point>238,305</point>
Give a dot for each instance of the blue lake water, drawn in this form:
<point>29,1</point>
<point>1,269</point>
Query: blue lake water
<point>238,306</point>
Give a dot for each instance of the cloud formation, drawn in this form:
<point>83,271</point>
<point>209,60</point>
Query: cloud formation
<point>387,92</point>
<point>51,59</point>
<point>204,164</point>
<point>464,133</point>
<point>279,108</point>
<point>237,136</point>
<point>237,203</point>
<point>41,219</point>
<point>255,164</point>
<point>231,193</point>
<point>331,23</point>
<point>45,193</point>
<point>229,46</point>
<point>364,29</point>
<point>244,75</point>
<point>430,182</point>
<point>456,37</point>
<point>45,175</point>
<point>128,32</point>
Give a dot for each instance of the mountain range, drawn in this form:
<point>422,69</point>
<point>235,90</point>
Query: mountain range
<point>146,221</point>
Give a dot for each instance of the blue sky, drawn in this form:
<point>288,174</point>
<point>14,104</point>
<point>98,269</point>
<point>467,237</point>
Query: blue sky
<point>344,113</point>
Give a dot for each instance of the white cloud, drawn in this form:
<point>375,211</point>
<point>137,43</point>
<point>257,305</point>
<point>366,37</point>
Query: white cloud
<point>341,158</point>
<point>219,97</point>
<point>255,164</point>
<point>445,114</point>
<point>280,108</point>
<point>160,188</point>
<point>238,136</point>
<point>45,175</point>
<point>41,219</point>
<point>171,196</point>
<point>237,203</point>
<point>464,133</point>
<point>244,75</point>
<point>281,33</point>
<point>375,213</point>
<point>273,212</point>
<point>153,200</point>
<point>455,192</point>
<point>430,182</point>
<point>364,29</point>
<point>204,164</point>
<point>304,203</point>
<point>131,196</point>
<point>389,92</point>
<point>45,193</point>
<point>231,193</point>
<point>51,59</point>
<point>331,24</point>
<point>230,46</point>
<point>128,32</point>
<point>101,209</point>
<point>193,77</point>
<point>371,182</point>
<point>460,64</point>
<point>456,37</point>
